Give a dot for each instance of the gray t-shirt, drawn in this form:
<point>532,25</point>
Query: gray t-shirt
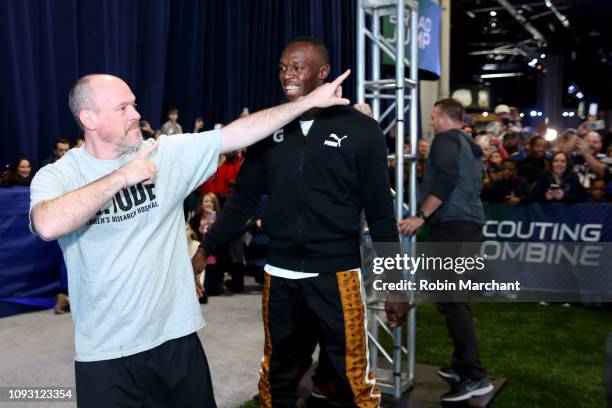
<point>129,274</point>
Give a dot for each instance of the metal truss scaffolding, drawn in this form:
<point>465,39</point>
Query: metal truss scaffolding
<point>394,370</point>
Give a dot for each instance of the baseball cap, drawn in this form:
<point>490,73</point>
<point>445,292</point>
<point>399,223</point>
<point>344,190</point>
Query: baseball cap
<point>502,109</point>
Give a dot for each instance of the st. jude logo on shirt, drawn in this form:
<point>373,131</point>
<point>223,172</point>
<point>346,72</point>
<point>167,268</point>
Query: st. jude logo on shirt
<point>127,204</point>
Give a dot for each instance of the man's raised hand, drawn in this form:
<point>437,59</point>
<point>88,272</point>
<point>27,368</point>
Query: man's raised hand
<point>140,168</point>
<point>329,94</point>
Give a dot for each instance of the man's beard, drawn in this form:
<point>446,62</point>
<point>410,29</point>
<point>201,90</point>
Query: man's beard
<point>124,148</point>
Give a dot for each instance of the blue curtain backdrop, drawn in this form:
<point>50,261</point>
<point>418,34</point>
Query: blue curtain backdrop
<point>208,58</point>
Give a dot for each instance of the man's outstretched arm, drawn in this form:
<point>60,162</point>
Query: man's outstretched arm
<point>250,129</point>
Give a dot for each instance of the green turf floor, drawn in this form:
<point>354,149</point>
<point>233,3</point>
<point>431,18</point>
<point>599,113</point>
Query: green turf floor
<point>551,356</point>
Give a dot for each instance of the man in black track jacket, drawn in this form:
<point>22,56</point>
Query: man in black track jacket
<point>319,172</point>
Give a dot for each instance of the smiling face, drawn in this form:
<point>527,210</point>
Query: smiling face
<point>115,118</point>
<point>538,148</point>
<point>559,164</point>
<point>301,70</point>
<point>594,141</point>
<point>208,203</point>
<point>24,169</point>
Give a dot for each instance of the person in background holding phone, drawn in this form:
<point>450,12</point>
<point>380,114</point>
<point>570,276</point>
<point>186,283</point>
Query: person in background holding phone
<point>511,189</point>
<point>560,183</point>
<point>201,222</point>
<point>601,169</point>
<point>591,123</point>
<point>586,172</point>
<point>499,126</point>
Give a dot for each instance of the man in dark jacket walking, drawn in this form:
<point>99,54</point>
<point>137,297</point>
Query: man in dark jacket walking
<point>451,189</point>
<point>320,173</point>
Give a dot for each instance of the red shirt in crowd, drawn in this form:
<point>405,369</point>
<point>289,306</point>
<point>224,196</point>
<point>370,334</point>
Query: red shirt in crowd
<point>223,180</point>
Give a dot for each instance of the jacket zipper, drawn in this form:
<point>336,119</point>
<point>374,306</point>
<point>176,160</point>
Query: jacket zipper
<point>299,191</point>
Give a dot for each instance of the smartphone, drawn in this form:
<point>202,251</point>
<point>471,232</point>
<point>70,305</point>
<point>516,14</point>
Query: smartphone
<point>554,187</point>
<point>597,125</point>
<point>593,109</point>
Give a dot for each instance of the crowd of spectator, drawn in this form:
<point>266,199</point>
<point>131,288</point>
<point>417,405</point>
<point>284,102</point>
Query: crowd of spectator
<point>520,166</point>
<point>21,171</point>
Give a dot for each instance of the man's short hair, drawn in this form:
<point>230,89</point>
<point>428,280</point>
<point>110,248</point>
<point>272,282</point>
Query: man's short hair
<point>598,179</point>
<point>451,108</point>
<point>316,43</point>
<point>79,97</point>
<point>535,140</point>
<point>61,140</point>
<point>594,133</point>
<point>509,160</point>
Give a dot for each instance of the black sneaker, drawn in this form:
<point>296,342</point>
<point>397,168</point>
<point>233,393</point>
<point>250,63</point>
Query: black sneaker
<point>449,375</point>
<point>323,395</point>
<point>234,287</point>
<point>467,389</point>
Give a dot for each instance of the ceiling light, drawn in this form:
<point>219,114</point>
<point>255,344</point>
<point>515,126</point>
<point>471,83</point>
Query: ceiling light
<point>571,114</point>
<point>493,13</point>
<point>542,56</point>
<point>501,75</point>
<point>550,135</point>
<point>565,22</point>
<point>565,114</point>
<point>485,114</point>
<point>579,95</point>
<point>539,113</point>
<point>522,115</point>
<point>533,113</point>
